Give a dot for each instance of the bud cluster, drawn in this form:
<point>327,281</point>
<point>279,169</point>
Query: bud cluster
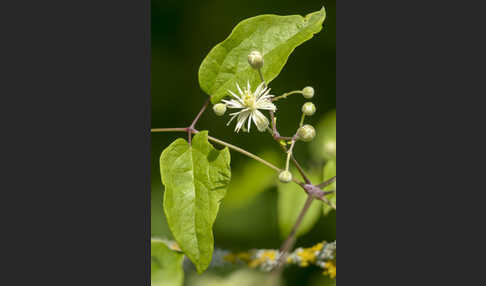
<point>249,100</point>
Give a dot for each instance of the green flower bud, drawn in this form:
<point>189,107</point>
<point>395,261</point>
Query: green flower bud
<point>308,108</point>
<point>285,176</point>
<point>219,109</point>
<point>255,59</point>
<point>306,133</point>
<point>308,92</point>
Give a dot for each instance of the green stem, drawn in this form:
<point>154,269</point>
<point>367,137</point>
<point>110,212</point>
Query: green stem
<point>302,120</point>
<point>289,154</point>
<point>287,94</point>
<point>261,77</point>
<point>244,152</point>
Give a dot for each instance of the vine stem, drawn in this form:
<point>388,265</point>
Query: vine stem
<point>177,129</point>
<point>299,168</point>
<point>244,152</point>
<point>193,124</point>
<point>289,242</point>
<point>286,94</point>
<point>326,183</point>
<point>230,146</point>
<point>261,77</point>
<point>302,120</point>
<point>277,137</point>
<point>289,154</point>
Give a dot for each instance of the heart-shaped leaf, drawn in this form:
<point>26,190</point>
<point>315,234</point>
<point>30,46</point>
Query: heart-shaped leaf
<point>274,36</point>
<point>195,178</point>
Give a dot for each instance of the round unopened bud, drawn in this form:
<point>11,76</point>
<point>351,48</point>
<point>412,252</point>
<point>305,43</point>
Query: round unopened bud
<point>308,92</point>
<point>308,108</point>
<point>306,133</point>
<point>219,109</point>
<point>255,59</point>
<point>285,176</point>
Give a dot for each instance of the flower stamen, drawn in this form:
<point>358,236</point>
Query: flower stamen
<point>249,104</point>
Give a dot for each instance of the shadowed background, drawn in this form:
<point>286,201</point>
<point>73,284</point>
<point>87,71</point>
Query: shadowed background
<point>183,32</point>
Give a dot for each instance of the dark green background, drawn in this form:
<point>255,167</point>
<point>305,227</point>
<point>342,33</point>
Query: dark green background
<point>183,32</point>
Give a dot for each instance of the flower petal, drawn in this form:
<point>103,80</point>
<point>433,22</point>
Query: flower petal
<point>241,119</point>
<point>235,96</point>
<point>265,104</point>
<point>259,90</point>
<point>249,121</point>
<point>238,112</point>
<point>260,120</point>
<point>266,91</point>
<point>233,103</point>
<point>232,117</point>
<point>239,89</point>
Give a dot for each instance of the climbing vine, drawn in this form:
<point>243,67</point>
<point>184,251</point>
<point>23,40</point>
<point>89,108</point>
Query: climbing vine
<point>236,76</point>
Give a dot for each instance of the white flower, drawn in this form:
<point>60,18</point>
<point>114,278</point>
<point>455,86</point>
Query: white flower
<point>250,103</point>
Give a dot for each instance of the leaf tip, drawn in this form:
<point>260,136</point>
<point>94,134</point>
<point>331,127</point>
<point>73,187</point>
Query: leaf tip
<point>200,269</point>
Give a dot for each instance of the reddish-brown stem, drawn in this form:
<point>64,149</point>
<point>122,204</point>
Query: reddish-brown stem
<point>301,171</point>
<point>326,183</point>
<point>328,192</point>
<point>193,124</point>
<point>299,168</point>
<point>274,126</point>
<point>168,129</point>
<point>191,127</point>
<point>289,242</point>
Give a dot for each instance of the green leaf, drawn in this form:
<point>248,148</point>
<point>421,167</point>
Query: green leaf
<point>274,36</point>
<point>166,265</point>
<point>250,179</point>
<point>324,145</point>
<point>329,172</point>
<point>291,200</point>
<point>158,223</point>
<point>195,178</point>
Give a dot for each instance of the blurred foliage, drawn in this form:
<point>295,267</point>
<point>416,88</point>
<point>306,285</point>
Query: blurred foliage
<point>291,200</point>
<point>243,277</point>
<point>324,145</point>
<point>328,173</point>
<point>183,32</point>
<point>245,186</point>
<point>166,265</point>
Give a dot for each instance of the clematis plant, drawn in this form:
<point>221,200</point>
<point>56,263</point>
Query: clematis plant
<point>196,175</point>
